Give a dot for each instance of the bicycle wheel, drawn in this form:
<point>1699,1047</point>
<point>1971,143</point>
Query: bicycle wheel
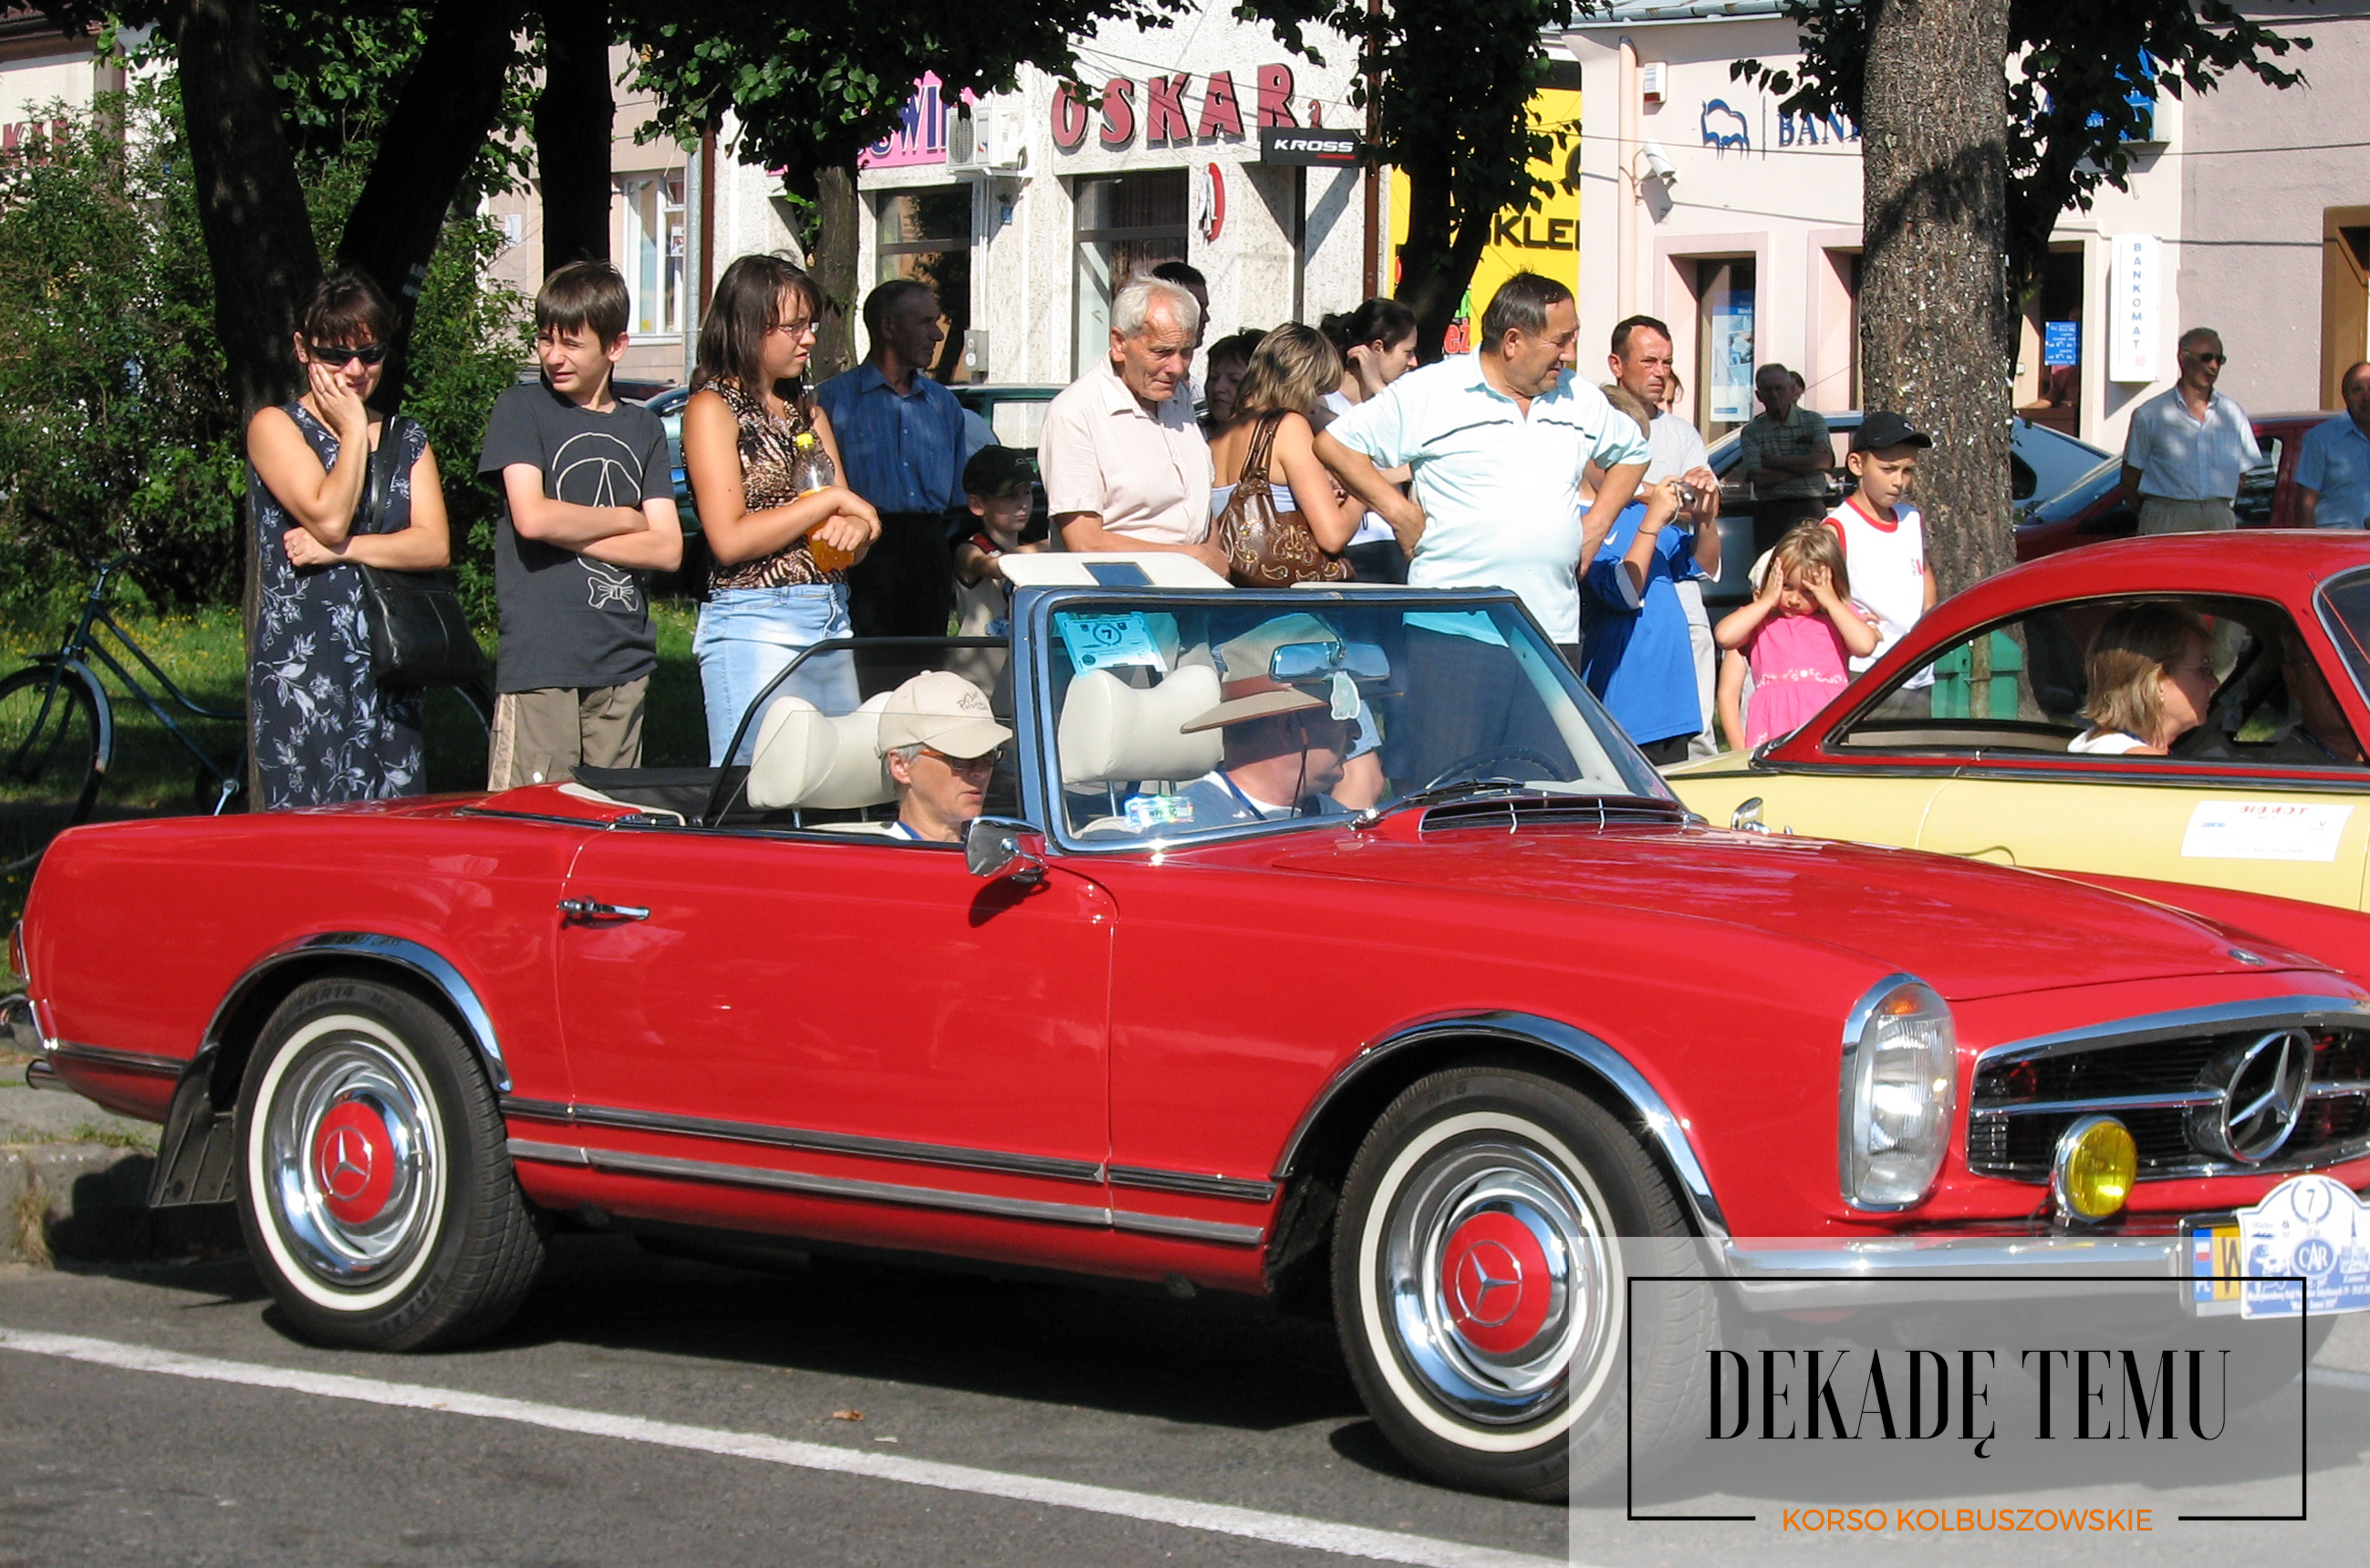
<point>50,759</point>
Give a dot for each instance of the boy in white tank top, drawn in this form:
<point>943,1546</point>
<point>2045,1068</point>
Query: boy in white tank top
<point>1883,535</point>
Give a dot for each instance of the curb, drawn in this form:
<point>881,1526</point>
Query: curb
<point>90,1200</point>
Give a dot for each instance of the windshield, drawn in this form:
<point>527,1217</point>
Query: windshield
<point>2347,603</point>
<point>1182,721</point>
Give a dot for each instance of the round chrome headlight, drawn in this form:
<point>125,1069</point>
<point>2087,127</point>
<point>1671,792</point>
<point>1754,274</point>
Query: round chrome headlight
<point>1899,1073</point>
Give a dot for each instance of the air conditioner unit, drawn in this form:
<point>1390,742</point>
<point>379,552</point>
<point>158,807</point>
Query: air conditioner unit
<point>984,138</point>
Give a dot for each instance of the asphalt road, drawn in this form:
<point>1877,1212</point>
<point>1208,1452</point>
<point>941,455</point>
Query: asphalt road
<point>645,1410</point>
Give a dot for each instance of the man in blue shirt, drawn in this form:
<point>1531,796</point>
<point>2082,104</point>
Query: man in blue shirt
<point>2332,475</point>
<point>900,434</point>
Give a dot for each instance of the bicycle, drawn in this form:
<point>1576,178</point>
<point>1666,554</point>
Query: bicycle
<point>57,727</point>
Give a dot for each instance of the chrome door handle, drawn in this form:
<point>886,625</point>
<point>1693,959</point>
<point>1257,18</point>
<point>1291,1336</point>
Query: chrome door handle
<point>593,909</point>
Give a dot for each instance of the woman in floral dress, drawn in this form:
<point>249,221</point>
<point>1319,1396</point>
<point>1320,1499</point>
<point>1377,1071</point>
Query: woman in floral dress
<point>325,730</point>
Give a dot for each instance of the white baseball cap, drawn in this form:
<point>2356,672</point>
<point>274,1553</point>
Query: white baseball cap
<point>940,709</point>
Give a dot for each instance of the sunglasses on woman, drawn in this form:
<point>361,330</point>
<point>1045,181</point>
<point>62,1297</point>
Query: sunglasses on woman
<point>338,358</point>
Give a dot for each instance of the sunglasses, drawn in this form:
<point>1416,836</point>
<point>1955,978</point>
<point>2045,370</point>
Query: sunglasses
<point>2210,359</point>
<point>987,764</point>
<point>338,358</point>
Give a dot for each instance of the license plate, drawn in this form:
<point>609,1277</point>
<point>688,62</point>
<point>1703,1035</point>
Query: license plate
<point>2210,1244</point>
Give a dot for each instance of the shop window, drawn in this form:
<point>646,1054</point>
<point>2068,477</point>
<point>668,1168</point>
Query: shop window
<point>2049,344</point>
<point>1724,352</point>
<point>925,236</point>
<point>653,253</point>
<point>1126,224</point>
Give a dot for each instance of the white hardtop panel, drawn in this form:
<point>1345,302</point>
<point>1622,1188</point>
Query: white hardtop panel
<point>1159,569</point>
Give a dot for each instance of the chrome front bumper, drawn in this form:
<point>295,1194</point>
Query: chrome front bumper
<point>1787,1274</point>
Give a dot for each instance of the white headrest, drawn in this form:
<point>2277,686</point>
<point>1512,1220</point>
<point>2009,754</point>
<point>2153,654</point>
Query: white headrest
<point>806,757</point>
<point>1115,733</point>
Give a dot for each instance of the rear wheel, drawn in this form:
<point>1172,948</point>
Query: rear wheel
<point>1482,1291</point>
<point>376,1190</point>
<point>50,759</point>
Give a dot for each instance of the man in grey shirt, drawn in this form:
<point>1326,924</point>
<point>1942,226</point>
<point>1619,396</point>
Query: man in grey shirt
<point>1786,454</point>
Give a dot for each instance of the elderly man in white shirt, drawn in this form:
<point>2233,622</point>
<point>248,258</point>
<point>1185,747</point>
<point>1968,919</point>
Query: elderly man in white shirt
<point>1124,464</point>
<point>1497,440</point>
<point>2188,445</point>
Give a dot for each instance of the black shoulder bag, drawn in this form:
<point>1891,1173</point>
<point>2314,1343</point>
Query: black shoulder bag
<point>419,633</point>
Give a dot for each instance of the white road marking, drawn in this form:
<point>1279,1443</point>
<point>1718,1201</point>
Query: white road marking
<point>1283,1530</point>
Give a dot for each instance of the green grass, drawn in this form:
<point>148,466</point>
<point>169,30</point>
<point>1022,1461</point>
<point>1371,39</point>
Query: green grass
<point>153,773</point>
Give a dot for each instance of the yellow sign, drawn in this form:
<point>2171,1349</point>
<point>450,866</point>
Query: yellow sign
<point>1545,239</point>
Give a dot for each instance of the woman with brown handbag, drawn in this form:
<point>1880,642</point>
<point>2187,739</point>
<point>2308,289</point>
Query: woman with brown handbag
<point>1278,516</point>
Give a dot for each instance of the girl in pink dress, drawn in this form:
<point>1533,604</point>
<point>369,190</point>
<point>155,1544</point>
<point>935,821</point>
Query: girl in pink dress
<point>1797,635</point>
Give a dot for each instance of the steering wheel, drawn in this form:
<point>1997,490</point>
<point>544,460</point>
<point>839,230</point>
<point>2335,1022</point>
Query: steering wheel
<point>1481,759</point>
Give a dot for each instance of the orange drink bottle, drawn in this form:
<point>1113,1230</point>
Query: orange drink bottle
<point>812,470</point>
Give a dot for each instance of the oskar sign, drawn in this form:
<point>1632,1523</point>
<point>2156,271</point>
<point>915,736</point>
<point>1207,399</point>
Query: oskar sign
<point>1174,111</point>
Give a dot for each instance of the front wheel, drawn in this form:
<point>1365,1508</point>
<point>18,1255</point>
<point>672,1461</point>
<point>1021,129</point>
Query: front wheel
<point>53,755</point>
<point>1482,1290</point>
<point>376,1190</point>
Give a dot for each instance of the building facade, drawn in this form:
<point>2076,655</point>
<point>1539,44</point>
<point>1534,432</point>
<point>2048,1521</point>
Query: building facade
<point>1029,210</point>
<point>1705,206</point>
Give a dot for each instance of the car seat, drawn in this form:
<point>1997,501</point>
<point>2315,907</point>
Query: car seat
<point>807,759</point>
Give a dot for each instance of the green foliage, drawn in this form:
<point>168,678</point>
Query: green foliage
<point>115,413</point>
<point>812,83</point>
<point>2074,72</point>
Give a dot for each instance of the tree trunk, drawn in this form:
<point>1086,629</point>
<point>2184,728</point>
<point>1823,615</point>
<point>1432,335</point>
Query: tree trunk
<point>435,132</point>
<point>1426,282</point>
<point>1935,329</point>
<point>832,259</point>
<point>574,118</point>
<point>258,240</point>
<point>250,204</point>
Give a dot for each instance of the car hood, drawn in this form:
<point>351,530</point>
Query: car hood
<point>1968,929</point>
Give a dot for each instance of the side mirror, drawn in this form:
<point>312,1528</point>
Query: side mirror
<point>1746,818</point>
<point>996,847</point>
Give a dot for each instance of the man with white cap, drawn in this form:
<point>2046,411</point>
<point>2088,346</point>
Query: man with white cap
<point>942,744</point>
<point>1286,743</point>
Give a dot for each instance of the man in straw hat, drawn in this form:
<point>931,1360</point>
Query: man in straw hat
<point>942,744</point>
<point>1286,743</point>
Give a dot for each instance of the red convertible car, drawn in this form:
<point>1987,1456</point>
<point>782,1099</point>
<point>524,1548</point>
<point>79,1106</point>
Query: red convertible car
<point>1174,1012</point>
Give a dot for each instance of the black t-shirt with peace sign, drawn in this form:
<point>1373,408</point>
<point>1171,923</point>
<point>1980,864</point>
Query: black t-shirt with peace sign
<point>568,620</point>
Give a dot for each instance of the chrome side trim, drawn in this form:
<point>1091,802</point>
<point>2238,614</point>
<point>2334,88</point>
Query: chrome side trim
<point>817,1186</point>
<point>1158,1180</point>
<point>814,1142</point>
<point>2304,1012</point>
<point>1191,1229</point>
<point>1668,1131</point>
<point>426,962</point>
<point>884,1192</point>
<point>110,1060</point>
<point>550,1154</point>
<point>537,1110</point>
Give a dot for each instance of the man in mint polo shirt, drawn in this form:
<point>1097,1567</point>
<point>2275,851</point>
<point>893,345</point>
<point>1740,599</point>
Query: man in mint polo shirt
<point>1498,440</point>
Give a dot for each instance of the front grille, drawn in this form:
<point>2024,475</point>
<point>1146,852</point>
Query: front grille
<point>2171,1091</point>
<point>1513,810</point>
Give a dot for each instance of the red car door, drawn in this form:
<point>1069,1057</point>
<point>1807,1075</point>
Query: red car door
<point>843,1009</point>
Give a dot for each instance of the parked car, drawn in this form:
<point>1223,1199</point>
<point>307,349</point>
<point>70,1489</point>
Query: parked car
<point>2095,507</point>
<point>668,405</point>
<point>2043,463</point>
<point>1426,1064</point>
<point>1956,740</point>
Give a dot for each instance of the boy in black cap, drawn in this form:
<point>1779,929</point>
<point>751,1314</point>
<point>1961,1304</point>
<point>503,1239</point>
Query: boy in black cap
<point>1883,535</point>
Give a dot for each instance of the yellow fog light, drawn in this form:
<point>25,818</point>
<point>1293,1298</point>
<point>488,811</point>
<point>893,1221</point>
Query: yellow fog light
<point>2096,1162</point>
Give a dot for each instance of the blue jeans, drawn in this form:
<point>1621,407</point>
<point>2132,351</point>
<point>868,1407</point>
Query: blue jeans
<point>747,636</point>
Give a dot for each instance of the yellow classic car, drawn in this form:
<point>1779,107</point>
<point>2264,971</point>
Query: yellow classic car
<point>1958,739</point>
